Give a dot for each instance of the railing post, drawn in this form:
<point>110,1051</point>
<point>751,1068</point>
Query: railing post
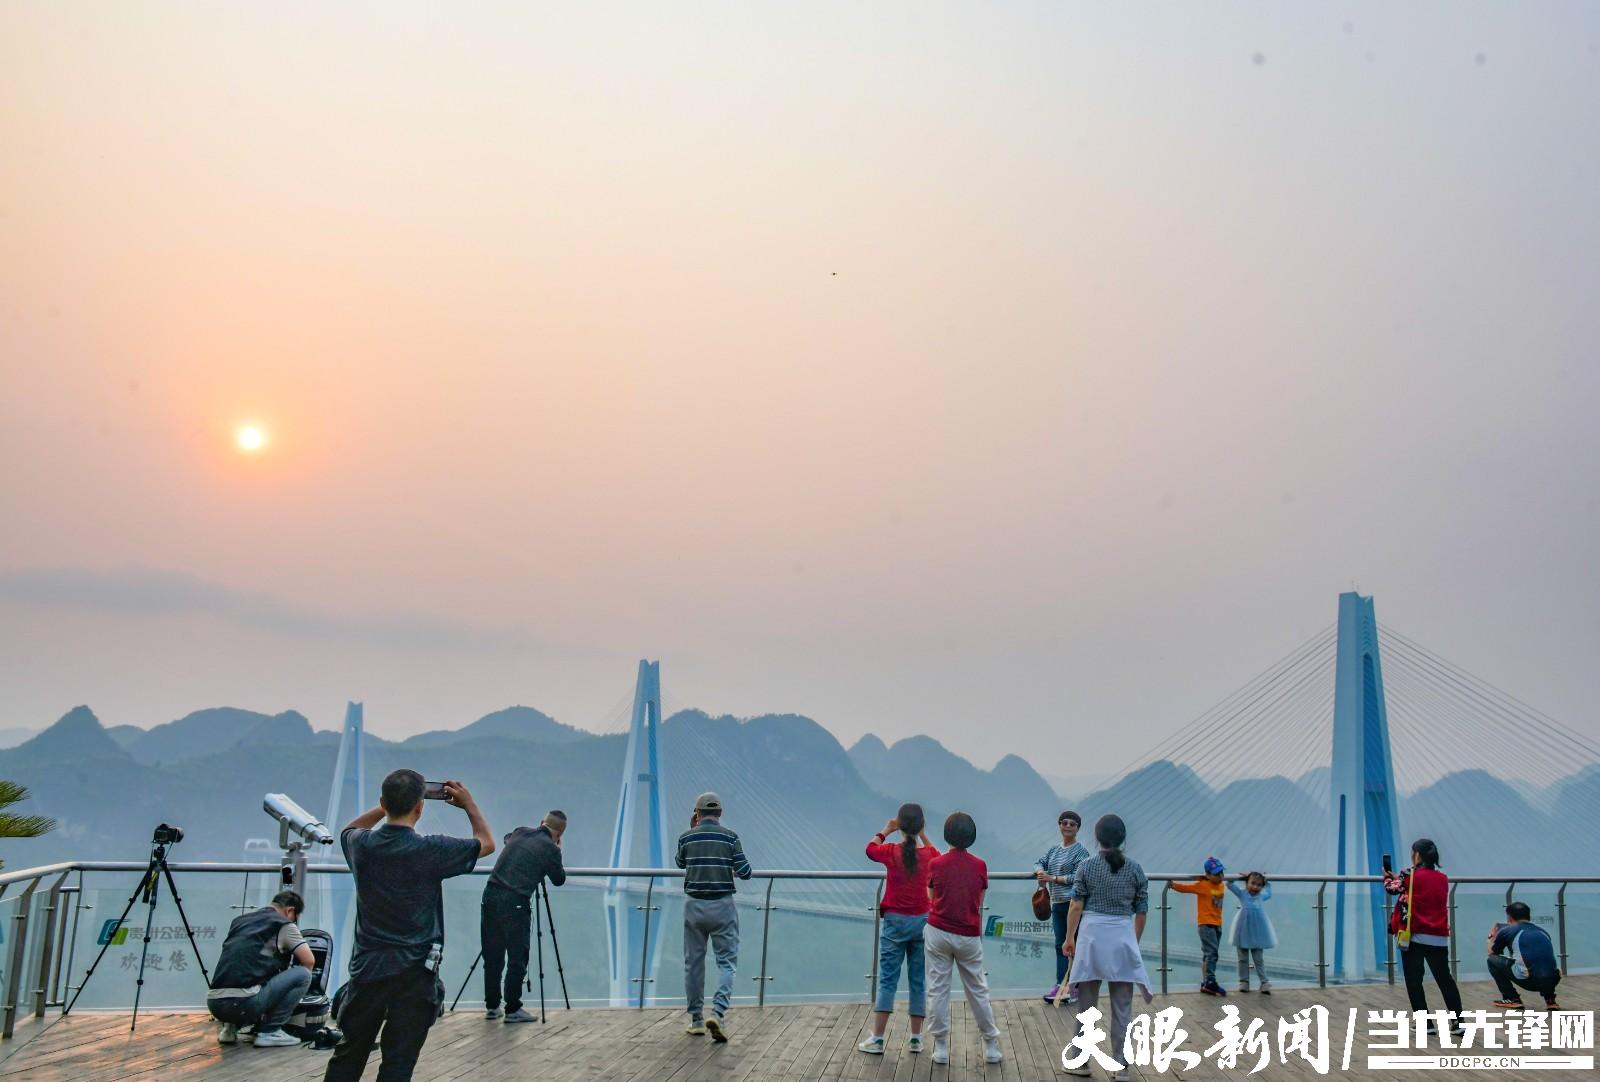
<point>1166,891</point>
<point>766,923</point>
<point>19,947</point>
<point>877,922</point>
<point>1455,963</point>
<point>644,953</point>
<point>1322,936</point>
<point>1388,940</point>
<point>62,964</point>
<point>47,942</point>
<point>1561,926</point>
<point>72,942</point>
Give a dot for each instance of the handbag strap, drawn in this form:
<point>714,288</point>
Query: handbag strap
<point>1411,890</point>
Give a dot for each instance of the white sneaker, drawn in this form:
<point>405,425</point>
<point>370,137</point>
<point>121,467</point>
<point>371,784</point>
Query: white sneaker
<point>991,1050</point>
<point>872,1046</point>
<point>1079,1072</point>
<point>941,1050</point>
<point>227,1033</point>
<point>491,1013</point>
<point>276,1038</point>
<point>914,1043</point>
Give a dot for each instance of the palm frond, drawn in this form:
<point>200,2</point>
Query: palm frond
<point>25,826</point>
<point>20,826</point>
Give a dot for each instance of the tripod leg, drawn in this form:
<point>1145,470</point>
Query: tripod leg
<point>152,891</point>
<point>107,944</point>
<point>556,945</point>
<point>470,971</point>
<point>539,928</point>
<point>172,885</point>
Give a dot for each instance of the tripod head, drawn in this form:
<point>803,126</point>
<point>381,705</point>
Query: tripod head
<point>164,837</point>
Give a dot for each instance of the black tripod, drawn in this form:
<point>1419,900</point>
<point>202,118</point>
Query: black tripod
<point>539,890</point>
<point>147,890</point>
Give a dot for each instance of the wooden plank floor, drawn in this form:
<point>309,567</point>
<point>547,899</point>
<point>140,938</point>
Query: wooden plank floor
<point>814,1043</point>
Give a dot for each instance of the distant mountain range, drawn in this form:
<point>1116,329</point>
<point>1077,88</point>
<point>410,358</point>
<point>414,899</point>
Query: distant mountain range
<point>799,799</point>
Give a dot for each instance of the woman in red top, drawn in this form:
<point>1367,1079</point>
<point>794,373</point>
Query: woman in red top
<point>1422,909</point>
<point>904,912</point>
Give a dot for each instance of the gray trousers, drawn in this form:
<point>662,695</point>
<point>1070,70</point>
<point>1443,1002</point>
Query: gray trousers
<point>1121,1011</point>
<point>1246,956</point>
<point>716,919</point>
<point>269,1008</point>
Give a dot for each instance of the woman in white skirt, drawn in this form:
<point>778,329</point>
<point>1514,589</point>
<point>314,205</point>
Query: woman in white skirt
<point>1103,932</point>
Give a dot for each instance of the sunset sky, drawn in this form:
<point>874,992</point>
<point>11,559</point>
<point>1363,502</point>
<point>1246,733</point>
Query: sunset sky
<point>1028,375</point>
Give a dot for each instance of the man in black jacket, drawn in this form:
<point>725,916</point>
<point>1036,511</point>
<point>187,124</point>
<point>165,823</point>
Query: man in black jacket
<point>256,982</point>
<point>531,855</point>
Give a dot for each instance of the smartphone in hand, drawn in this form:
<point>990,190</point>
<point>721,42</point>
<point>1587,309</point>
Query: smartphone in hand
<point>1388,864</point>
<point>433,790</point>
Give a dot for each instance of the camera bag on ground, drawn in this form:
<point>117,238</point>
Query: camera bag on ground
<point>312,1013</point>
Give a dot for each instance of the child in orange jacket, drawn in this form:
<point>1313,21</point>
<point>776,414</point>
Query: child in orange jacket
<point>1208,892</point>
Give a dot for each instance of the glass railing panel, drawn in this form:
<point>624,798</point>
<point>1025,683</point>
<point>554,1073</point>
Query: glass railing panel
<point>171,974</point>
<point>10,906</point>
<point>822,940</point>
<point>1583,927</point>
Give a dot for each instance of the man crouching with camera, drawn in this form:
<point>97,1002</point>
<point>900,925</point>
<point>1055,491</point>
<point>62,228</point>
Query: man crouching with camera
<point>394,984</point>
<point>256,982</point>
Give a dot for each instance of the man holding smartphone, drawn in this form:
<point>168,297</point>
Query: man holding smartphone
<point>399,924</point>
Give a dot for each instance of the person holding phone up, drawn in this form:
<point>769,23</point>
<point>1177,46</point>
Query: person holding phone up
<point>394,987</point>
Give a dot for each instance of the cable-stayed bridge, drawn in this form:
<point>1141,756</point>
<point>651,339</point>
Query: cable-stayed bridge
<point>1301,769</point>
<point>1346,748</point>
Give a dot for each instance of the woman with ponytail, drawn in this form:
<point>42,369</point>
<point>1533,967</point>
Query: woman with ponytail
<point>904,910</point>
<point>1110,899</point>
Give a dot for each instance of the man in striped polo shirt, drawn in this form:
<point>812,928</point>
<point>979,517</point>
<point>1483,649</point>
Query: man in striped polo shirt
<point>710,856</point>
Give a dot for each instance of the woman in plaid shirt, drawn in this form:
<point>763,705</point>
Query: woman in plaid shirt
<point>1111,897</point>
<point>1055,870</point>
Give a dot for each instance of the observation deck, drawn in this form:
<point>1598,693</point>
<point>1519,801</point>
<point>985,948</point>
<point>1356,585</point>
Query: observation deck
<point>806,973</point>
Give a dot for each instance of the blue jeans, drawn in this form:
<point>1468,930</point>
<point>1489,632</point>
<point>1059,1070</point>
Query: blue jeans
<point>269,1008</point>
<point>716,919</point>
<point>900,939</point>
<point>1058,923</point>
<point>1210,940</point>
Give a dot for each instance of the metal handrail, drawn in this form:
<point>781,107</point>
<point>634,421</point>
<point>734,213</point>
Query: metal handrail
<point>52,965</point>
<point>769,873</point>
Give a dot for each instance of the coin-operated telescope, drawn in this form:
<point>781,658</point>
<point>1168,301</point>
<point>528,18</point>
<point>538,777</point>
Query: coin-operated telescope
<point>297,829</point>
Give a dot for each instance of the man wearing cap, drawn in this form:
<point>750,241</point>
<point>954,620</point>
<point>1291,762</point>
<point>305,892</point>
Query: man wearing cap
<point>531,855</point>
<point>710,856</point>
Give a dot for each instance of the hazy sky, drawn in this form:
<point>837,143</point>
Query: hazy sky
<point>1028,375</point>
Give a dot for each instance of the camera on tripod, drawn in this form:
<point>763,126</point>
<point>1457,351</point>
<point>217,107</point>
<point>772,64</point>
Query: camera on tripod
<point>167,835</point>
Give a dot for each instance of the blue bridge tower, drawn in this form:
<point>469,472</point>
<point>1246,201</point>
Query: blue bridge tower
<point>1361,793</point>
<point>639,841</point>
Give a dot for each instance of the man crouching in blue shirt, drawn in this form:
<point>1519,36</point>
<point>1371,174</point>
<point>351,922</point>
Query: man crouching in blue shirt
<point>399,920</point>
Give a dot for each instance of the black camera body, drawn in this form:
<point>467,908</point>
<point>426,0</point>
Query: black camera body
<point>167,835</point>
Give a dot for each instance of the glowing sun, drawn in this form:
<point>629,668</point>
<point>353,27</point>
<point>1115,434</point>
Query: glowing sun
<point>250,438</point>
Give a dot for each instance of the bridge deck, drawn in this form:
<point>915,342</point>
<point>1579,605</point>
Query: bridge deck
<point>798,1043</point>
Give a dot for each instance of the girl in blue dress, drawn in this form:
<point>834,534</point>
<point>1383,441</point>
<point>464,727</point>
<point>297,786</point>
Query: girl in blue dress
<point>1252,932</point>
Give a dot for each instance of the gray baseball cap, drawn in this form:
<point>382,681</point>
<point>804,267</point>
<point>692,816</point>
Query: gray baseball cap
<point>708,802</point>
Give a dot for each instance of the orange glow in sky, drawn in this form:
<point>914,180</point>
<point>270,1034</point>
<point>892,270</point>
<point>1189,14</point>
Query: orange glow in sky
<point>251,439</point>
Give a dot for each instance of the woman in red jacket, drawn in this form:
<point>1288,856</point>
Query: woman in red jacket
<point>1421,925</point>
